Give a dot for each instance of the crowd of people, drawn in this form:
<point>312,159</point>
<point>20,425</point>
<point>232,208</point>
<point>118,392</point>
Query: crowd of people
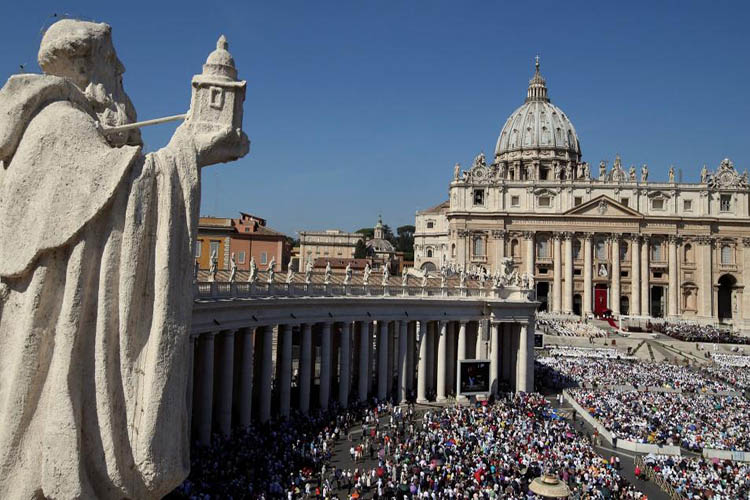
<point>585,352</point>
<point>691,420</point>
<point>688,332</point>
<point>700,478</point>
<point>602,372</point>
<point>490,450</point>
<point>569,328</point>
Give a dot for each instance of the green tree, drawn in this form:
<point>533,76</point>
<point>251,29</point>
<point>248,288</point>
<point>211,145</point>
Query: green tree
<point>405,241</point>
<point>360,250</point>
<point>368,232</point>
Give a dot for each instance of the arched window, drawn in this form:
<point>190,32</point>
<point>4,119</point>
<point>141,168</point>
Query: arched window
<point>600,249</point>
<point>453,250</point>
<point>542,248</point>
<point>429,252</point>
<point>726,254</point>
<point>514,248</point>
<point>577,249</point>
<point>656,254</point>
<point>688,254</point>
<point>479,246</point>
<point>623,250</point>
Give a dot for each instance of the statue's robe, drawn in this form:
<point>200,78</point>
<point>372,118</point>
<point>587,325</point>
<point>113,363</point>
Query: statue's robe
<point>96,248</point>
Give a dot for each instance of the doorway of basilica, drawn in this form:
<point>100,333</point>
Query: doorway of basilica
<point>724,297</point>
<point>600,299</point>
<point>657,301</point>
<point>577,301</point>
<point>542,295</point>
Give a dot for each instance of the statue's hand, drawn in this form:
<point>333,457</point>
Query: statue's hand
<point>213,147</point>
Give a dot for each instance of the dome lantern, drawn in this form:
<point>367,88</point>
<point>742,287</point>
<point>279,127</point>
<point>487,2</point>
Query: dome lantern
<point>537,86</point>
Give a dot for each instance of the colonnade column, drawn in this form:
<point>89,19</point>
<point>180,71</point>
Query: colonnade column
<point>615,292</point>
<point>522,360</point>
<point>305,368</point>
<point>460,356</point>
<point>530,264</point>
<point>402,364</point>
<point>478,345</point>
<point>494,357</point>
<point>586,309</point>
<point>410,346</point>
<point>225,378</point>
<point>383,375</point>
<point>568,300</point>
<point>285,378</point>
<point>245,390</point>
<point>325,365</point>
<point>441,360</point>
<point>266,372</point>
<point>645,306</point>
<point>422,372</point>
<point>364,359</point>
<point>635,275</point>
<point>205,391</point>
<point>451,353</point>
<point>673,277</point>
<point>557,274</point>
<point>344,359</point>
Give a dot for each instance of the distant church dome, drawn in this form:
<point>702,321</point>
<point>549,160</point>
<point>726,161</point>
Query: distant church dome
<point>538,125</point>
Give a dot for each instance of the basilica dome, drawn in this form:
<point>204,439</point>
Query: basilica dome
<point>538,126</point>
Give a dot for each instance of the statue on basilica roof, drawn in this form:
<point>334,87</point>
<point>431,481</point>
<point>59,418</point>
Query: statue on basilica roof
<point>671,174</point>
<point>644,173</point>
<point>704,174</point>
<point>632,173</point>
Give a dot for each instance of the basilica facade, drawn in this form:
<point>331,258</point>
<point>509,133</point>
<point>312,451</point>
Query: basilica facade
<point>597,238</point>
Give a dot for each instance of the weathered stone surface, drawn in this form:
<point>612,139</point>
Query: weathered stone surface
<point>96,258</point>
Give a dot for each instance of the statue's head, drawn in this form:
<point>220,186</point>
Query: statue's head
<point>83,52</point>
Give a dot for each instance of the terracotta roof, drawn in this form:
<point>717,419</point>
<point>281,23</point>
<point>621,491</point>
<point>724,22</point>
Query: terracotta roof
<point>437,209</point>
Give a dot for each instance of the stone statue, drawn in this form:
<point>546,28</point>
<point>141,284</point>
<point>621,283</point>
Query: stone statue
<point>424,279</point>
<point>348,273</point>
<point>386,273</point>
<point>531,281</point>
<point>501,170</point>
<point>602,170</point>
<point>525,281</point>
<point>456,171</point>
<point>289,275</point>
<point>671,174</point>
<point>586,171</point>
<point>462,278</point>
<point>632,173</point>
<point>271,269</point>
<point>96,313</point>
<point>704,174</point>
<point>232,268</point>
<point>196,268</point>
<point>443,279</point>
<point>405,278</point>
<point>253,276</point>
<point>644,173</point>
<point>479,161</point>
<point>568,172</point>
<point>214,268</point>
<point>327,276</point>
<point>308,272</point>
<point>366,274</point>
<point>558,172</point>
<point>579,170</point>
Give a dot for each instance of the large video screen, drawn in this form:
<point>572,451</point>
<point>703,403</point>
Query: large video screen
<point>475,377</point>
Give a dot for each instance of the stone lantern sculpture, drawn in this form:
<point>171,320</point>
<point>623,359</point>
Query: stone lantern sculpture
<point>217,94</point>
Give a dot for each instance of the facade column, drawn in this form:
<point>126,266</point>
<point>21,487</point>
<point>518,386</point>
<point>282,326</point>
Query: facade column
<point>364,359</point>
<point>499,248</point>
<point>460,356</point>
<point>672,308</point>
<point>224,380</point>
<point>285,378</point>
<point>305,368</point>
<point>422,372</point>
<point>266,373</point>
<point>441,358</point>
<point>557,274</point>
<point>587,283</point>
<point>522,360</point>
<point>530,264</point>
<point>430,357</point>
<point>410,347</point>
<point>507,341</point>
<point>245,390</point>
<point>645,272</point>
<point>451,354</point>
<point>494,357</point>
<point>705,288</point>
<point>402,364</point>
<point>568,299</point>
<point>479,344</point>
<point>205,391</point>
<point>383,375</point>
<point>615,292</point>
<point>635,276</point>
<point>344,364</point>
<point>325,365</point>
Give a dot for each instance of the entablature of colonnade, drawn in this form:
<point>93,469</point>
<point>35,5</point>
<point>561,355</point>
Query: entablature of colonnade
<point>241,313</point>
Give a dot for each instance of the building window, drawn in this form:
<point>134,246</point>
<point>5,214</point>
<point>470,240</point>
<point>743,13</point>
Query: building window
<point>430,225</point>
<point>687,205</point>
<point>577,249</point>
<point>688,255</point>
<point>625,202</point>
<point>263,258</point>
<point>198,247</point>
<point>657,204</point>
<point>656,251</point>
<point>247,229</point>
<point>726,202</point>
<point>453,250</point>
<point>577,200</point>
<point>478,197</point>
<point>214,248</point>
<point>514,249</point>
<point>514,201</point>
<point>726,254</point>
<point>241,257</point>
<point>542,248</point>
<point>600,249</point>
<point>478,246</point>
<point>544,201</point>
<point>623,250</point>
<point>429,252</point>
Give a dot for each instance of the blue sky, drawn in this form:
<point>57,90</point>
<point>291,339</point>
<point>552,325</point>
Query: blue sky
<point>359,108</point>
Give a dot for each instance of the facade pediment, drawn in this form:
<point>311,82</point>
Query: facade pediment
<point>603,206</point>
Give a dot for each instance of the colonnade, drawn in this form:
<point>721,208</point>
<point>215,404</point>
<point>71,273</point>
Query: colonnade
<point>265,372</point>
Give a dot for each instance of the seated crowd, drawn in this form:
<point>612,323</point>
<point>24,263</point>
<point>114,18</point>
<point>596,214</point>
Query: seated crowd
<point>691,420</point>
<point>735,370</point>
<point>565,372</point>
<point>697,333</point>
<point>700,478</point>
<point>569,328</point>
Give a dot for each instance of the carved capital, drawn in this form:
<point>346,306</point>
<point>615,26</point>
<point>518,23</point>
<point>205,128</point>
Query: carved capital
<point>567,235</point>
<point>673,239</point>
<point>558,236</point>
<point>499,234</point>
<point>746,242</point>
<point>614,238</point>
<point>529,235</point>
<point>588,236</point>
